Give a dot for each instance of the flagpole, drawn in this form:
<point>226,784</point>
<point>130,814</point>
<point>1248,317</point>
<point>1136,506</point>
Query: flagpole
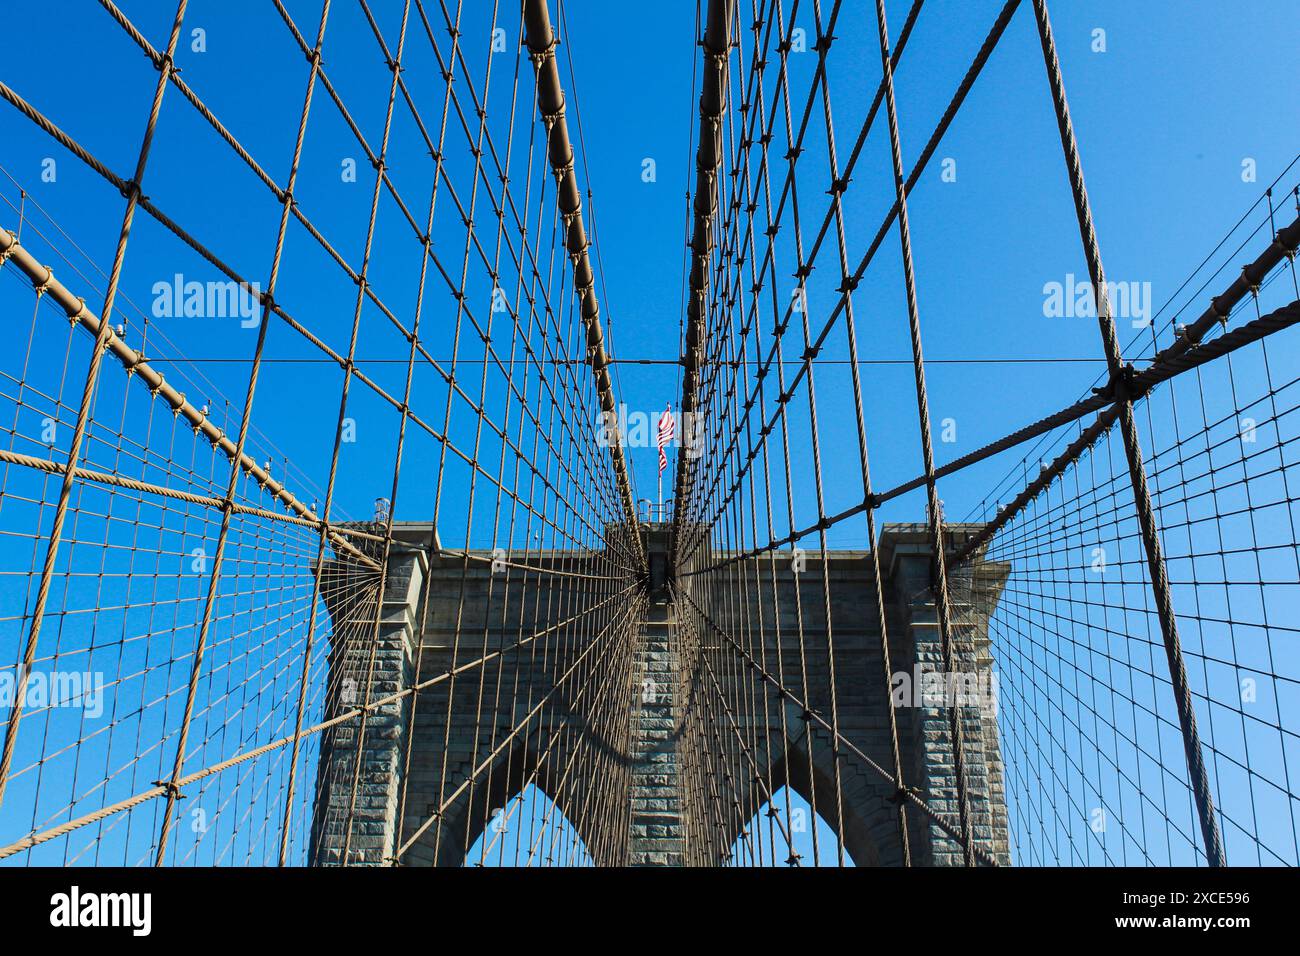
<point>664,431</point>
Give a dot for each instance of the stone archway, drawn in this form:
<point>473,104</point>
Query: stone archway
<point>436,763</point>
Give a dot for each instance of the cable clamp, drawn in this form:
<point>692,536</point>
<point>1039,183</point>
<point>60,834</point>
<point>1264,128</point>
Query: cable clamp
<point>1124,384</point>
<point>903,795</point>
<point>44,283</point>
<point>1288,251</point>
<point>172,790</point>
<point>75,317</point>
<point>546,50</point>
<point>1251,284</point>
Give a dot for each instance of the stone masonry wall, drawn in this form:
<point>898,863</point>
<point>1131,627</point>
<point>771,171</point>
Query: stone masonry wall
<point>473,721</point>
<point>658,833</point>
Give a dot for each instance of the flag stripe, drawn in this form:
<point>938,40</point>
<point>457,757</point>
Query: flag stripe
<point>667,427</point>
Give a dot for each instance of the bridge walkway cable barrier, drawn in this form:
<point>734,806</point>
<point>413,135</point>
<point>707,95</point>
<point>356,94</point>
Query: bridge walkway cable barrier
<point>353,579</point>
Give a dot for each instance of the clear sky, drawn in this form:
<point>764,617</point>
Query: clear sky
<point>1182,96</point>
<point>1166,116</point>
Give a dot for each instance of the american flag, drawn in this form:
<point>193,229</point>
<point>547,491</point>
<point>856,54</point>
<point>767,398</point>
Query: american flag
<point>666,426</point>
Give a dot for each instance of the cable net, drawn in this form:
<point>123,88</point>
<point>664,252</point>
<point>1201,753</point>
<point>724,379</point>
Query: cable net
<point>343,566</point>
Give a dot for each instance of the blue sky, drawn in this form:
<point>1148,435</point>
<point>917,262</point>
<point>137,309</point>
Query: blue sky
<point>1165,116</point>
<point>1183,94</point>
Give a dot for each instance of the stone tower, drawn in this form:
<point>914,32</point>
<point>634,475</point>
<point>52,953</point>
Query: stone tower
<point>457,744</point>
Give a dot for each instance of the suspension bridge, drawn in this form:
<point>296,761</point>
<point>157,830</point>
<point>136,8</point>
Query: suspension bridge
<point>380,586</point>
